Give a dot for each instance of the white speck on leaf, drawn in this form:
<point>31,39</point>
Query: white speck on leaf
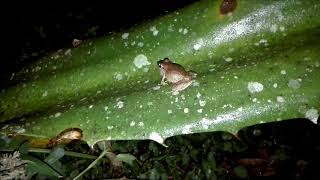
<point>227,105</point>
<point>280,99</point>
<point>198,95</point>
<point>118,76</point>
<point>199,110</point>
<point>120,104</point>
<point>125,35</point>
<point>56,56</point>
<point>183,97</point>
<point>199,44</point>
<point>140,61</point>
<point>141,124</point>
<point>91,106</point>
<point>140,44</point>
<point>274,28</point>
<point>229,59</point>
<point>206,123</point>
<point>110,127</point>
<point>154,30</point>
<point>186,110</point>
<point>36,69</point>
<point>19,130</point>
<point>174,93</point>
<point>57,114</point>
<point>132,123</point>
<point>195,83</point>
<point>283,72</point>
<point>169,111</point>
<point>45,94</point>
<point>185,31</point>
<point>156,88</point>
<point>202,103</point>
<point>275,85</point>
<point>186,129</point>
<point>312,114</point>
<point>68,52</point>
<point>106,108</point>
<point>156,137</point>
<point>255,87</point>
<point>263,41</point>
<point>146,69</point>
<point>294,84</point>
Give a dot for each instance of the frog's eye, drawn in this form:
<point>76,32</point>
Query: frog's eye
<point>159,63</point>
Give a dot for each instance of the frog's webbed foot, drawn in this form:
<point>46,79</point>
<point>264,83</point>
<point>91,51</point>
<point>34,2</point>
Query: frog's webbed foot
<point>193,74</point>
<point>163,83</point>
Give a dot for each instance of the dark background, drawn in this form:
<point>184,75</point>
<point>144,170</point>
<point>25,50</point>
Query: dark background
<point>32,29</point>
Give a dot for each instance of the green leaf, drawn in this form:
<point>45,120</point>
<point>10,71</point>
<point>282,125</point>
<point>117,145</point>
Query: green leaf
<point>39,166</point>
<point>127,158</point>
<point>104,145</point>
<point>56,154</point>
<point>24,148</point>
<point>257,65</point>
<point>241,171</point>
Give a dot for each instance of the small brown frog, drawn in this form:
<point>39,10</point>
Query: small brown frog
<point>175,74</point>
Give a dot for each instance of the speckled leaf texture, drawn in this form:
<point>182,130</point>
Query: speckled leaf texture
<point>257,62</point>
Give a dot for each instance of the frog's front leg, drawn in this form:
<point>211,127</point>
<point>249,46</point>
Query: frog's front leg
<point>163,80</point>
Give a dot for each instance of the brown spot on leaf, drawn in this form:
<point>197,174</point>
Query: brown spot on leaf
<point>76,42</point>
<point>228,6</point>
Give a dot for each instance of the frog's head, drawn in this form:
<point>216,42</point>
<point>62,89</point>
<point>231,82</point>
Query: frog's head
<point>164,63</point>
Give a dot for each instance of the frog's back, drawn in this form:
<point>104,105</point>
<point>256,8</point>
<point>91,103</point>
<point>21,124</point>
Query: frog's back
<point>178,74</point>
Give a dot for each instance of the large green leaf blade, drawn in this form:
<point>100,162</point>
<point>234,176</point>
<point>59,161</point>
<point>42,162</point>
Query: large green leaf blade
<point>100,89</point>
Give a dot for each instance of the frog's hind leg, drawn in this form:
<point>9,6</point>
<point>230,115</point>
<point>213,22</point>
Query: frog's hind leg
<point>181,86</point>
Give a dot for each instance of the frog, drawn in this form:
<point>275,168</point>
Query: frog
<point>175,74</point>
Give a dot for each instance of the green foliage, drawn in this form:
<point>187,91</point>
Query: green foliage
<point>55,155</point>
<point>196,156</point>
<point>35,165</point>
<point>127,158</point>
<point>241,172</point>
<point>260,64</point>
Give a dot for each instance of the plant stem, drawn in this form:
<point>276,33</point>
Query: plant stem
<point>92,164</point>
